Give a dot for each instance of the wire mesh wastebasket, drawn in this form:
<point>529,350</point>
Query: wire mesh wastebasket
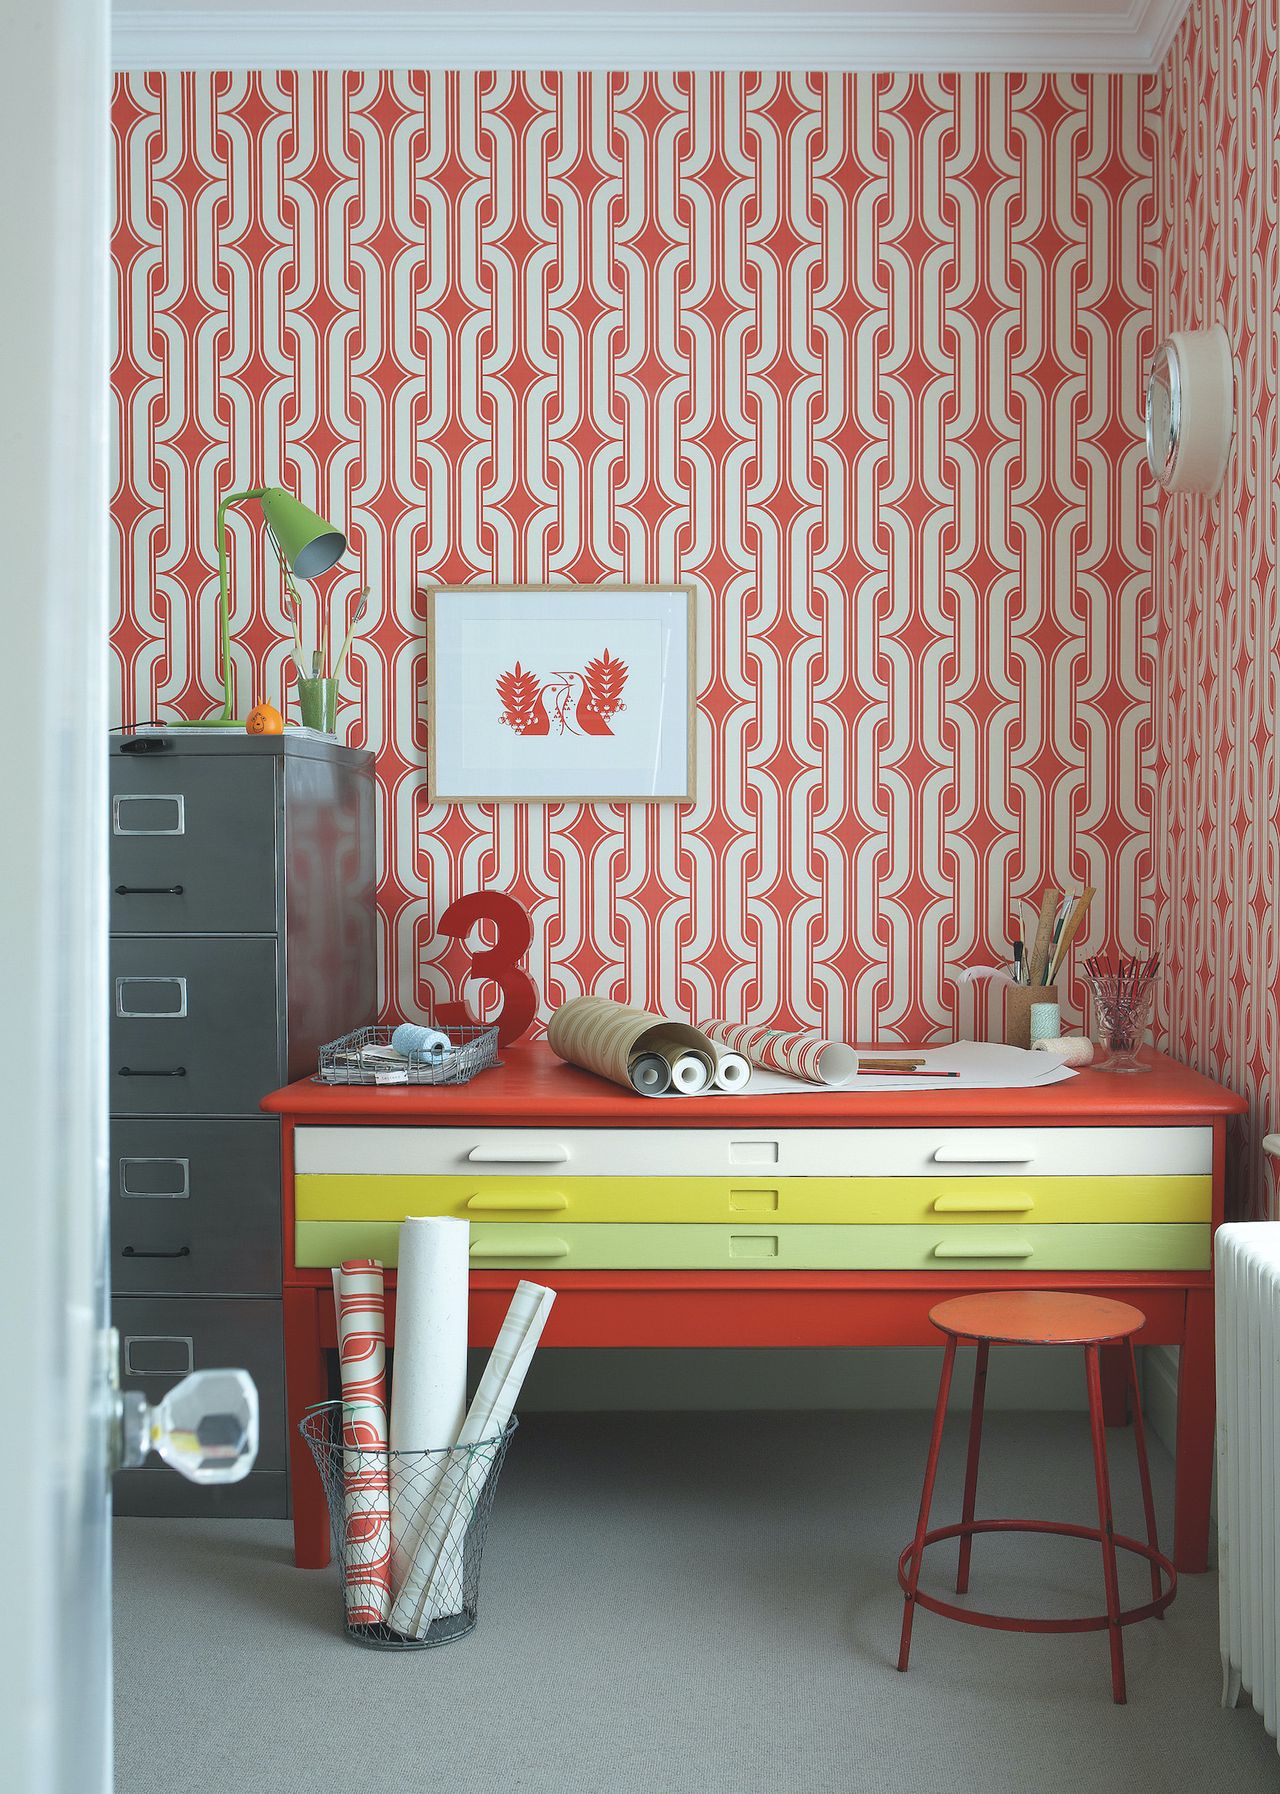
<point>409,1529</point>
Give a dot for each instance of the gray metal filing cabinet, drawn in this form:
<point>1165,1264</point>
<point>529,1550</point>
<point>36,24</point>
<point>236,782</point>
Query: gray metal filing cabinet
<point>242,939</point>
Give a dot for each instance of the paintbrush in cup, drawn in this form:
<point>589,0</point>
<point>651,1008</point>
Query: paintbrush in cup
<point>357,618</point>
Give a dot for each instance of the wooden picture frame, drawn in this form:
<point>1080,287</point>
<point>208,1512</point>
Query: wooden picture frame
<point>561,693</point>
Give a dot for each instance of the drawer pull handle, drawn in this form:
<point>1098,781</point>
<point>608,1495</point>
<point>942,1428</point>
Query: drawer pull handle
<point>148,890</point>
<point>985,1151</point>
<point>983,1205</point>
<point>132,1252</point>
<point>523,1246</point>
<point>531,1201</point>
<point>1014,1248</point>
<point>519,1155</point>
<point>177,1071</point>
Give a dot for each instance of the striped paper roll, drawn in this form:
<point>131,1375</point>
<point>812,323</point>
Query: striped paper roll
<point>605,1037</point>
<point>359,1303</point>
<point>801,1055</point>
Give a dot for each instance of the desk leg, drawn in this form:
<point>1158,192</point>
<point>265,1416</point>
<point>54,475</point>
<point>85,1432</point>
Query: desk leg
<point>305,1383</point>
<point>1195,1436</point>
<point>1115,1386</point>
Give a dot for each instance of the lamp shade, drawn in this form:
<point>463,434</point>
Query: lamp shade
<point>309,544</point>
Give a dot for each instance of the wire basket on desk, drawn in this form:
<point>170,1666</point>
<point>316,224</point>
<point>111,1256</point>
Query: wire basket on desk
<point>350,1060</point>
<point>434,1505</point>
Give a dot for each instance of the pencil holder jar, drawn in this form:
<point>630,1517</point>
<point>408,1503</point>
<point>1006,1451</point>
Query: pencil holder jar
<point>318,702</point>
<point>1019,1000</point>
<point>408,1527</point>
<point>1123,1005</point>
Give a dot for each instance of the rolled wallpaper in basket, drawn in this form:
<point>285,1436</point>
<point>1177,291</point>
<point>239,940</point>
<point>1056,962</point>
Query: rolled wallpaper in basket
<point>429,1390</point>
<point>800,1054</point>
<point>359,1304</point>
<point>431,1589</point>
<point>607,1038</point>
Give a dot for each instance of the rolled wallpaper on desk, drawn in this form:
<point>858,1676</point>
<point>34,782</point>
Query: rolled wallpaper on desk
<point>621,1043</point>
<point>800,1054</point>
<point>361,1314</point>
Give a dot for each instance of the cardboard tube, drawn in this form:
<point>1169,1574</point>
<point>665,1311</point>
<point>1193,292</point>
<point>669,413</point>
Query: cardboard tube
<point>650,1074</point>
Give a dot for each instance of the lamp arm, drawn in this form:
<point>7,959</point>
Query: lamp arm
<point>224,601</point>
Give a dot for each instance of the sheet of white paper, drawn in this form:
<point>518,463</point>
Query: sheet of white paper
<point>980,1064</point>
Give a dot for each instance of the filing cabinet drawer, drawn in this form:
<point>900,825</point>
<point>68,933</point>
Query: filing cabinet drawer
<point>193,844</point>
<point>162,1338</point>
<point>195,1207</point>
<point>727,1150</point>
<point>194,1025</point>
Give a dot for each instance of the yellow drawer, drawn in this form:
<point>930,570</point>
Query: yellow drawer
<point>877,1201</point>
<point>569,1246</point>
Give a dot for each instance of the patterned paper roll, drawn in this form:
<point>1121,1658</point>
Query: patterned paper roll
<point>802,1055</point>
<point>691,1071</point>
<point>732,1070</point>
<point>431,1589</point>
<point>362,1362</point>
<point>606,1037</point>
<point>429,1391</point>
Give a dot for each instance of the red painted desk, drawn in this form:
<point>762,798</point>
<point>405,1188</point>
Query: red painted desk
<point>1153,1143</point>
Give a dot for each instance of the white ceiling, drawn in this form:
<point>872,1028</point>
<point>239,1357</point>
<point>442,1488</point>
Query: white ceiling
<point>1089,36</point>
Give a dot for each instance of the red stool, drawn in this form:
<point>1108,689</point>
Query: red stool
<point>1037,1317</point>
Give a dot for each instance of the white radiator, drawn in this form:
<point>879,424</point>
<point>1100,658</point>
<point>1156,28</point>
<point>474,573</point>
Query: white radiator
<point>1247,1276</point>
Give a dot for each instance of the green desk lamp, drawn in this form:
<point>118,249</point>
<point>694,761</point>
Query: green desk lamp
<point>308,546</point>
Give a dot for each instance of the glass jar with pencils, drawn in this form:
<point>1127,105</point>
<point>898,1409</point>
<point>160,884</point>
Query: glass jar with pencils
<point>1123,992</point>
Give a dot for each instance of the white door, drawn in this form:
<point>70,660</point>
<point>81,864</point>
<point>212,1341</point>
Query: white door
<point>55,1682</point>
<point>63,1422</point>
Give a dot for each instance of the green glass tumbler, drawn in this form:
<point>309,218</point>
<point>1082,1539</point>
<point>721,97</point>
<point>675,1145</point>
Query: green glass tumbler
<point>318,701</point>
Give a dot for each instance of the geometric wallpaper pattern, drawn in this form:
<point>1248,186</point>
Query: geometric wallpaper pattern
<point>859,357</point>
<point>1217,700</point>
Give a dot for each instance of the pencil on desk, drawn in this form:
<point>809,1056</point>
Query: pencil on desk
<point>865,1071</point>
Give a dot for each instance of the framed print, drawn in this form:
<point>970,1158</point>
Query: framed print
<point>560,694</point>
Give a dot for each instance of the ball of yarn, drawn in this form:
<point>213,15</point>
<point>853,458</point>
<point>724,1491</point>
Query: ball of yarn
<point>1071,1049</point>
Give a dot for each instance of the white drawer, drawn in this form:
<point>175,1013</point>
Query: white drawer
<point>784,1152</point>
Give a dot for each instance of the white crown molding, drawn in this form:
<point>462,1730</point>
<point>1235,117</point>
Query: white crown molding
<point>1134,41</point>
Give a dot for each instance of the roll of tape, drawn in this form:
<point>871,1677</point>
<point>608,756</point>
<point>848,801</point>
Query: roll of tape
<point>1071,1049</point>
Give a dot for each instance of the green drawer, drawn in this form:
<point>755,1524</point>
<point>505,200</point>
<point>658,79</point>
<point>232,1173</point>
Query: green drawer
<point>586,1246</point>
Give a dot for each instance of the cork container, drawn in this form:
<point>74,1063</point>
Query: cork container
<point>1018,999</point>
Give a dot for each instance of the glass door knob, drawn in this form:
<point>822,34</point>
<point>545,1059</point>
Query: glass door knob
<point>206,1427</point>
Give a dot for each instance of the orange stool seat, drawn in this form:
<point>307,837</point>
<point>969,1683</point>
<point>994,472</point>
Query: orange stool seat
<point>1034,1317</point>
<point>1037,1317</point>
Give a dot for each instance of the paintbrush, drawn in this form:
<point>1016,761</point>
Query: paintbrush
<point>357,618</point>
<point>1071,927</point>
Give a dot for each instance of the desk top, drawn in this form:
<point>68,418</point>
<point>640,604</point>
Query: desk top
<point>533,1087</point>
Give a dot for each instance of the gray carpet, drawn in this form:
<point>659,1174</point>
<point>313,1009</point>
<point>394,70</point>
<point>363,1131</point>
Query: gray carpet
<point>687,1604</point>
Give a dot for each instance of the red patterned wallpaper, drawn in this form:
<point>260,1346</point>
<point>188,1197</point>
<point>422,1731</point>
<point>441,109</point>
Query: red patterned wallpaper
<point>862,357</point>
<point>1217,697</point>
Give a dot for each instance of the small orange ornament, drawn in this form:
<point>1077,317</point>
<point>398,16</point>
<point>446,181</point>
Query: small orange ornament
<point>265,719</point>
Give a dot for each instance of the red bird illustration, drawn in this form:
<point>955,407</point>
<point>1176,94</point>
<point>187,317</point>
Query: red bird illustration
<point>581,703</point>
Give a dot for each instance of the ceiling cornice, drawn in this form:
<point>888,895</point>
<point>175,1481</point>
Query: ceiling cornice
<point>1131,42</point>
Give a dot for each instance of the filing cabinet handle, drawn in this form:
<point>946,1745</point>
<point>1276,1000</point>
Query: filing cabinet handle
<point>532,1200</point>
<point>510,1245</point>
<point>971,1248</point>
<point>176,1071</point>
<point>132,1252</point>
<point>148,890</point>
<point>984,1149</point>
<point>553,1154</point>
<point>145,744</point>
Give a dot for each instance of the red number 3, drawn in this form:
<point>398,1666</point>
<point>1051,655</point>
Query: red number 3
<point>499,962</point>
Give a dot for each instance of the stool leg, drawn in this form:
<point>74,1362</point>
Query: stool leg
<point>971,1465</point>
<point>1093,1375</point>
<point>1144,1469</point>
<point>926,1499</point>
